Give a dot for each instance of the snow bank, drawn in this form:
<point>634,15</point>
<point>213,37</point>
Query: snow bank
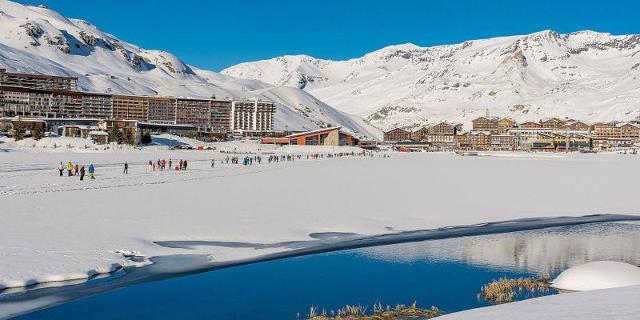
<point>618,304</point>
<point>598,275</point>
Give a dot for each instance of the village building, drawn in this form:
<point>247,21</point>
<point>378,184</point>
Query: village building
<point>98,137</point>
<point>442,134</point>
<point>524,137</point>
<point>553,123</point>
<point>606,144</point>
<point>396,135</point>
<point>505,124</point>
<point>463,141</point>
<point>629,131</point>
<point>481,140</point>
<point>530,125</point>
<point>577,127</point>
<point>503,142</point>
<point>489,124</point>
<point>420,134</point>
<point>333,136</point>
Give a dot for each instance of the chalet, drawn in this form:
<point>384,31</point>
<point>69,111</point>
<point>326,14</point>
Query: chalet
<point>505,124</point>
<point>481,140</point>
<point>397,135</point>
<point>553,123</point>
<point>420,134</point>
<point>333,136</point>
<point>441,134</point>
<point>530,125</point>
<point>485,124</point>
<point>503,142</point>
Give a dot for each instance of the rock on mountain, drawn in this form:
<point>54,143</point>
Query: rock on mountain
<point>35,39</point>
<point>585,75</point>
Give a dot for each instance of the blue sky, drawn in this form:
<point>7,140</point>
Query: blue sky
<point>218,34</point>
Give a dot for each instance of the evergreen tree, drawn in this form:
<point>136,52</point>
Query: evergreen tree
<point>37,131</point>
<point>18,130</point>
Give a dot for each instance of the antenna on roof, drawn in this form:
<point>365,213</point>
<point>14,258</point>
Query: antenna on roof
<point>487,112</point>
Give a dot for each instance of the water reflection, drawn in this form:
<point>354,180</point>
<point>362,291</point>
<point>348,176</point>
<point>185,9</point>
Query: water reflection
<point>550,250</point>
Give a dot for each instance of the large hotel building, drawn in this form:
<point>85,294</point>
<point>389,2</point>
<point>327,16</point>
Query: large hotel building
<point>46,96</point>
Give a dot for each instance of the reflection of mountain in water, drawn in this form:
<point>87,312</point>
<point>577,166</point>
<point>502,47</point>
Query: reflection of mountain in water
<point>549,250</point>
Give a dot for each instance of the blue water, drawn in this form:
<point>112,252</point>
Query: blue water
<point>444,273</point>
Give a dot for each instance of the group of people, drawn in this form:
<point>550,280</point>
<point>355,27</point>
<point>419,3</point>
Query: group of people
<point>162,164</point>
<point>76,170</point>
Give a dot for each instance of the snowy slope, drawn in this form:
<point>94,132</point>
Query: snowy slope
<point>583,75</point>
<point>39,40</point>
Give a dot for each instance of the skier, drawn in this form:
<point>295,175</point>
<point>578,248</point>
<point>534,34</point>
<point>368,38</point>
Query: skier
<point>61,168</point>
<point>76,170</point>
<point>81,173</point>
<point>213,163</point>
<point>69,168</point>
<point>185,164</point>
<point>126,168</point>
<point>91,171</point>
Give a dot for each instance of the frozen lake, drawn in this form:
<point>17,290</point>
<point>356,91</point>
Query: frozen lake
<point>445,273</point>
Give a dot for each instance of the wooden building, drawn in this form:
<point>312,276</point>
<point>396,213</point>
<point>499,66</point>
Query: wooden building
<point>397,135</point>
<point>489,124</point>
<point>553,123</point>
<point>322,137</point>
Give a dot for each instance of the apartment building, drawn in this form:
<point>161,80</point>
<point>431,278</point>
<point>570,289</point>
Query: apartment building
<point>221,115</point>
<point>263,119</point>
<point>97,105</point>
<point>193,112</point>
<point>14,101</point>
<point>36,81</point>
<point>66,104</point>
<point>162,110</point>
<point>130,108</point>
<point>252,115</point>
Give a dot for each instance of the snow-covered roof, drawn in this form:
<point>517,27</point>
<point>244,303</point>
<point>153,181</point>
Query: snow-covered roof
<point>313,132</point>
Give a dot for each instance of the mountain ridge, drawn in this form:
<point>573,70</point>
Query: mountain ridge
<point>39,40</point>
<point>587,75</point>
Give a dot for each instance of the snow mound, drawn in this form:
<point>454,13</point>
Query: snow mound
<point>598,275</point>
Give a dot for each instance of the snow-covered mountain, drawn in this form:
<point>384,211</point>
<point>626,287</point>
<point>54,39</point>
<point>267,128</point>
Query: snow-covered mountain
<point>35,39</point>
<point>584,75</point>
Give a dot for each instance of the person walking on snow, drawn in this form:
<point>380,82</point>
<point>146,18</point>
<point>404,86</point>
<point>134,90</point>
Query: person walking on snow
<point>185,164</point>
<point>126,168</point>
<point>69,168</point>
<point>91,171</point>
<point>213,163</point>
<point>76,170</point>
<point>81,173</point>
<point>61,168</point>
